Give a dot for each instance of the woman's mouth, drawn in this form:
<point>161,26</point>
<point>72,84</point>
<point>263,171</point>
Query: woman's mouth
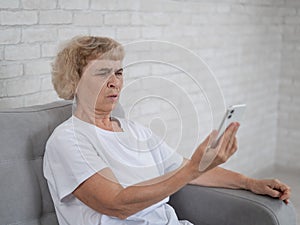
<point>113,97</point>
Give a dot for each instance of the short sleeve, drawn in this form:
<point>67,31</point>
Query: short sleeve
<point>172,160</point>
<point>69,161</point>
<point>167,159</point>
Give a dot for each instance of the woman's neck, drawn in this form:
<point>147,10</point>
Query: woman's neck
<point>100,119</point>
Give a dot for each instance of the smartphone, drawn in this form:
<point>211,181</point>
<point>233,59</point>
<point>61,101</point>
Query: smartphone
<point>233,113</point>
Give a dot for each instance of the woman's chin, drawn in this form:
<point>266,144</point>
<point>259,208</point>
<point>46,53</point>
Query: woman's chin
<point>107,107</point>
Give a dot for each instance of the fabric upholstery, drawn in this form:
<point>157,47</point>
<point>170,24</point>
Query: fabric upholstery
<point>25,198</point>
<point>24,194</point>
<point>219,206</point>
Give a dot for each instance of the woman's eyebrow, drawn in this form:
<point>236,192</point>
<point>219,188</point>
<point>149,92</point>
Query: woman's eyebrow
<point>119,70</point>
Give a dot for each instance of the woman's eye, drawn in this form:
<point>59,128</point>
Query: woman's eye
<point>102,74</point>
<point>119,74</point>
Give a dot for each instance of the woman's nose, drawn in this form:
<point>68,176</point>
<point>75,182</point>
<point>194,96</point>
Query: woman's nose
<point>113,81</point>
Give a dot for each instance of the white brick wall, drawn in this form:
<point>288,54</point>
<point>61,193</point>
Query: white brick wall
<point>87,19</point>
<point>117,19</point>
<point>30,35</point>
<point>68,33</point>
<point>37,67</point>
<point>73,4</point>
<point>252,46</point>
<point>29,85</point>
<point>55,17</point>
<point>38,4</point>
<point>9,4</point>
<point>10,71</point>
<point>22,52</point>
<point>10,36</point>
<point>18,17</point>
<point>288,135</point>
<point>1,53</point>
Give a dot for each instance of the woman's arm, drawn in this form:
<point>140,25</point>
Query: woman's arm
<point>104,194</point>
<point>220,177</point>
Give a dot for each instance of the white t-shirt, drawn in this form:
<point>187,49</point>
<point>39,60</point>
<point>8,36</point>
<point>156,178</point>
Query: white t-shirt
<point>77,150</point>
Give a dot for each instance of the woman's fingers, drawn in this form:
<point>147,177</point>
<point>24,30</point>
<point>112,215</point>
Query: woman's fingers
<point>227,146</point>
<point>204,146</point>
<point>285,191</point>
<point>273,193</point>
<point>228,137</point>
<point>281,188</point>
<point>273,188</point>
<point>210,157</point>
<point>232,144</point>
<point>211,138</point>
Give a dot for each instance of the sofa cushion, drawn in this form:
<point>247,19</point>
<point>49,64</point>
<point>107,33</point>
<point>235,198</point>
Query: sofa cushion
<point>24,193</point>
<point>25,198</point>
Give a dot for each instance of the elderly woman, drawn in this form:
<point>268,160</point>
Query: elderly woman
<point>108,170</point>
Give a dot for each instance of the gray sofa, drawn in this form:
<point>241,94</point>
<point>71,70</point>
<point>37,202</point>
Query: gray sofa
<point>25,199</point>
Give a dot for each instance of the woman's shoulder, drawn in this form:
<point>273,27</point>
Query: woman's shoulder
<point>64,126</point>
<point>68,130</point>
<point>62,129</point>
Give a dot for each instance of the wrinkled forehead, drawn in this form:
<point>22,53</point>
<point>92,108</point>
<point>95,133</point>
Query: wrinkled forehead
<point>97,64</point>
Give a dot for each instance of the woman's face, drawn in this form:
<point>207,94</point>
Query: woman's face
<point>100,85</point>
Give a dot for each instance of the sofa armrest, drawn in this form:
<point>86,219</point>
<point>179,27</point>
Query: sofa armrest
<point>216,206</point>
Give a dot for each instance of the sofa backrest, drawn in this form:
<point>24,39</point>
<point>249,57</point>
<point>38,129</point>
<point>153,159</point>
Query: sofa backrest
<point>24,194</point>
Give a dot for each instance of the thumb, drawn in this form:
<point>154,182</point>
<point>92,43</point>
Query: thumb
<point>211,138</point>
<point>207,156</point>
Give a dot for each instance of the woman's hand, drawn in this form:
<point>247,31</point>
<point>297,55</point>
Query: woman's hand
<point>206,158</point>
<point>273,188</point>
